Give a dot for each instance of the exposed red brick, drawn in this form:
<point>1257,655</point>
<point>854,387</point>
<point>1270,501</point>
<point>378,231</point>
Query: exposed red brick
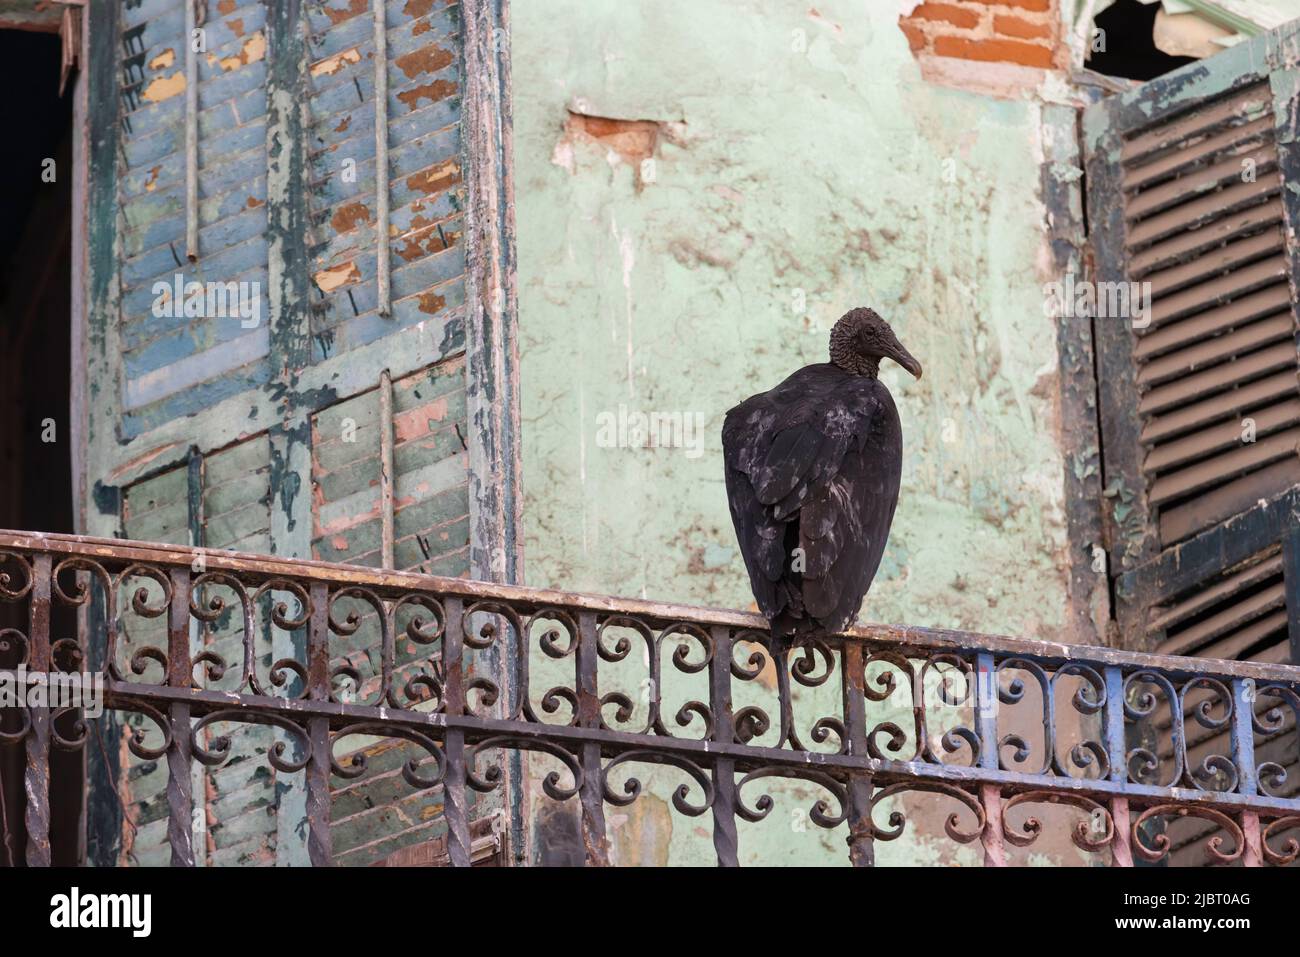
<point>915,38</point>
<point>634,140</point>
<point>948,13</point>
<point>1040,5</point>
<point>995,51</point>
<point>1010,26</point>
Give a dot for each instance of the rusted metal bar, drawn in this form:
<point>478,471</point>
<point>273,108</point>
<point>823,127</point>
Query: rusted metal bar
<point>1116,741</point>
<point>1121,847</point>
<point>1117,751</point>
<point>453,786</point>
<point>986,710</point>
<point>36,781</point>
<point>381,156</point>
<point>196,482</point>
<point>1252,855</point>
<point>320,848</point>
<point>986,721</point>
<point>725,839</point>
<point>386,467</point>
<point>862,851</point>
<point>455,733</point>
<point>191,131</point>
<point>1243,735</point>
<point>180,764</point>
<point>592,796</point>
<point>903,637</point>
<point>128,696</point>
<point>995,854</point>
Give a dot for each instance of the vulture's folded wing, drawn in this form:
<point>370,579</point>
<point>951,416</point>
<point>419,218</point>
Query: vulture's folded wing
<point>814,464</point>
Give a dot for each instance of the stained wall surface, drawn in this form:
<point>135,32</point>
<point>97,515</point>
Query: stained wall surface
<point>703,188</point>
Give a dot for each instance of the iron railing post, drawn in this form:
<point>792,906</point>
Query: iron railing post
<point>1117,757</point>
<point>320,848</point>
<point>592,795</point>
<point>725,839</point>
<point>862,851</point>
<point>1243,756</point>
<point>455,812</point>
<point>180,760</point>
<point>37,774</point>
<point>986,720</point>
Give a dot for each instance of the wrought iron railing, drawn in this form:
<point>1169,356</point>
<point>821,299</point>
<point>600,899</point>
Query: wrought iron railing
<point>1129,743</point>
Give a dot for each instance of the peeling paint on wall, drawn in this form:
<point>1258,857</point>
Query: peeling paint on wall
<point>811,169</point>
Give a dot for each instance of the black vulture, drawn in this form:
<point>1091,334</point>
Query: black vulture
<point>812,468</point>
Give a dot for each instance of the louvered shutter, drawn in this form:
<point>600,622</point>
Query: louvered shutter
<point>1192,192</point>
<point>291,195</point>
<point>218,501</point>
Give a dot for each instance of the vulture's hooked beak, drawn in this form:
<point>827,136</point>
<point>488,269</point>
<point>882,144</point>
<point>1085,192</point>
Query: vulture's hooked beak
<point>905,359</point>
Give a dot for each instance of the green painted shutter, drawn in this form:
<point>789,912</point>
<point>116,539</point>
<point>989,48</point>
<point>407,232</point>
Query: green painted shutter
<point>288,197</point>
<point>1190,191</point>
<point>1193,188</point>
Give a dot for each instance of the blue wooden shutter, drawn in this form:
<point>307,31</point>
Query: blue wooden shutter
<point>288,198</point>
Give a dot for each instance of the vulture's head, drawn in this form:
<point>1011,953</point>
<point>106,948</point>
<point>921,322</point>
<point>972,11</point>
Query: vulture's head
<point>861,339</point>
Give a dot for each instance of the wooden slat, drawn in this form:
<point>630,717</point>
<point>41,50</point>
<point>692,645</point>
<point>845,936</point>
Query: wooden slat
<point>1219,290</point>
<point>1188,156</point>
<point>1200,212</point>
<point>1244,105</point>
<point>1220,592</point>
<point>1207,352</point>
<point>1187,417</point>
<point>1231,618</point>
<point>1212,471</point>
<point>1229,256</point>
<point>1221,436</point>
<point>1155,341</point>
<point>1183,245</point>
<point>1227,500</point>
<point>1238,643</point>
<point>1279,654</point>
<point>1218,378</point>
<point>1203,180</point>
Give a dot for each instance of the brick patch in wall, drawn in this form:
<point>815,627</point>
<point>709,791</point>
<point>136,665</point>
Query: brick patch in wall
<point>1019,32</point>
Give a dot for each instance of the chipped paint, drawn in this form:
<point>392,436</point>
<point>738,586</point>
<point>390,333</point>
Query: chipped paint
<point>425,59</point>
<point>163,60</point>
<point>431,303</point>
<point>418,8</point>
<point>164,88</point>
<point>330,279</point>
<point>350,216</point>
<point>433,92</point>
<point>253,50</point>
<point>435,179</point>
<point>354,8</point>
<point>332,64</point>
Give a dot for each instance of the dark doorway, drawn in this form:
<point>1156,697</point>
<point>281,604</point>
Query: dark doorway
<point>36,178</point>
<point>1130,51</point>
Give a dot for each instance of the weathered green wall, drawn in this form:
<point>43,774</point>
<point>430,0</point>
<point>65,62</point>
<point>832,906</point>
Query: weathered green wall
<point>802,159</point>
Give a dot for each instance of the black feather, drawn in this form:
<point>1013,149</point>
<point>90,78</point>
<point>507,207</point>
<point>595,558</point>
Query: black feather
<point>813,464</point>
